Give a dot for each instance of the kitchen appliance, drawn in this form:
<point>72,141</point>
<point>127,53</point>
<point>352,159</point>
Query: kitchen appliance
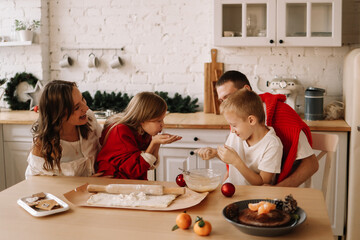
<point>286,86</point>
<point>351,97</point>
<point>314,103</point>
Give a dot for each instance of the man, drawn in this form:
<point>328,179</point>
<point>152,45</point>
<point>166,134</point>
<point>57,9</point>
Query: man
<point>299,161</point>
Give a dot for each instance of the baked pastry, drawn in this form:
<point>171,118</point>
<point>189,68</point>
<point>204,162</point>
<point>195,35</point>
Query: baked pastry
<point>274,218</point>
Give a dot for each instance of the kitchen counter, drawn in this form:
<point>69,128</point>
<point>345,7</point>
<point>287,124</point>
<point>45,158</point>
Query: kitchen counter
<point>198,120</point>
<point>106,223</point>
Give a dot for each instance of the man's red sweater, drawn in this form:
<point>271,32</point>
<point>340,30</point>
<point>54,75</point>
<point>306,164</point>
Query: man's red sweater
<point>287,125</point>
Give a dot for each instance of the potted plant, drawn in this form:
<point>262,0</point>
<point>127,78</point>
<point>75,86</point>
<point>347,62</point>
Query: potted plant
<point>26,29</point>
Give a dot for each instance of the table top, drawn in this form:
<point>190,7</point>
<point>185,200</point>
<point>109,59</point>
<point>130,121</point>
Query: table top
<point>107,223</point>
<point>197,120</point>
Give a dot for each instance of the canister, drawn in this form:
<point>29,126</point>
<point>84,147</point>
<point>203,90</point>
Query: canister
<point>314,103</point>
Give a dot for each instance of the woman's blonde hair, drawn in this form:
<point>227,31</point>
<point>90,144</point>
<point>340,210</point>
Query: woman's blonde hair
<point>244,103</point>
<point>144,106</point>
<point>56,104</point>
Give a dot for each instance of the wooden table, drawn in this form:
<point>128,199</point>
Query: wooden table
<point>105,223</point>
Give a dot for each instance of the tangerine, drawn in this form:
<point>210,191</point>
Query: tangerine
<point>183,220</point>
<point>202,227</point>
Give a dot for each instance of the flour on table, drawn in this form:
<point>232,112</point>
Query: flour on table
<point>131,200</point>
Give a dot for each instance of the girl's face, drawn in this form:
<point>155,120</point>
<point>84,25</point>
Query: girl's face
<point>242,128</point>
<point>78,117</point>
<point>153,126</point>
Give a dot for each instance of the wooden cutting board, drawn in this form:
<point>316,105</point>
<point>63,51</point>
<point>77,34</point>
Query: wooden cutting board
<point>212,72</point>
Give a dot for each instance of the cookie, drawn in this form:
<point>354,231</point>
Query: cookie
<point>46,204</point>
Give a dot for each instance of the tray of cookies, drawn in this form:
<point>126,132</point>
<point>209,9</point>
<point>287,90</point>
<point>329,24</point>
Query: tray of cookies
<point>43,204</point>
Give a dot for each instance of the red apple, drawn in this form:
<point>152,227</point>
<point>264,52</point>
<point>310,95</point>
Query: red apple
<point>228,189</point>
<point>180,180</point>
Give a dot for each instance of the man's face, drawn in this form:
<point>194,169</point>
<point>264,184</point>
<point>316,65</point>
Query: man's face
<point>225,90</point>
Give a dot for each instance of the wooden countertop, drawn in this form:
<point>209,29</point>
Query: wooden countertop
<point>107,223</point>
<point>198,120</point>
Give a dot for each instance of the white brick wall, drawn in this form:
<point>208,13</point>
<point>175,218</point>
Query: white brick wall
<point>166,43</point>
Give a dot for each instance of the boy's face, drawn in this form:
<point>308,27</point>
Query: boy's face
<point>241,127</point>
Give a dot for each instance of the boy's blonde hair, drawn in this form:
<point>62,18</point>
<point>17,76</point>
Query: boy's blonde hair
<point>244,103</point>
<point>144,106</point>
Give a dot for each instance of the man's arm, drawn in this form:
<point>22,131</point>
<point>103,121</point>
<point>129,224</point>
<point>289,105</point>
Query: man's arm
<point>305,170</point>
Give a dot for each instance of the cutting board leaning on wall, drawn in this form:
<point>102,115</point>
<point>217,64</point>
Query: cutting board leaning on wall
<point>212,72</point>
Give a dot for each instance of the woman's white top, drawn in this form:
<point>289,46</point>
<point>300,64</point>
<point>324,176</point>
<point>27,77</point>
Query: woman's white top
<point>77,159</point>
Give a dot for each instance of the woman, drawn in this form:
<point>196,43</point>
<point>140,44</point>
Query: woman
<point>66,134</point>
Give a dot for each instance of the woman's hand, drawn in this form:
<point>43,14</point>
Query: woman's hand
<point>206,153</point>
<point>228,154</point>
<point>100,174</point>
<point>165,138</point>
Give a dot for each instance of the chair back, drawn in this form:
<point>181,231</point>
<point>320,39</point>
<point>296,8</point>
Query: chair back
<point>327,144</point>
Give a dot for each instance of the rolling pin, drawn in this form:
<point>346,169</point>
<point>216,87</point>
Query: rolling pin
<point>130,188</point>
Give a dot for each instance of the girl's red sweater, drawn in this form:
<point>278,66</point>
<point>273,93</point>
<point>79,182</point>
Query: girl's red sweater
<point>120,155</point>
<point>287,125</point>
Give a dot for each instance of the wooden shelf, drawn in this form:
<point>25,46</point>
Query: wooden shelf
<point>12,44</point>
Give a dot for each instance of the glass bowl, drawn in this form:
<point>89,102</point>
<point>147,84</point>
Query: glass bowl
<point>202,179</point>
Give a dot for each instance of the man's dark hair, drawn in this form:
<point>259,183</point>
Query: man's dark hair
<point>239,79</point>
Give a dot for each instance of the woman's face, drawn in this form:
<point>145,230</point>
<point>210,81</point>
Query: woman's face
<point>153,126</point>
<point>78,117</point>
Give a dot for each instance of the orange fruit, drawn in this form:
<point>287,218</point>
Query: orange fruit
<point>253,206</point>
<point>202,227</point>
<point>266,207</point>
<point>183,220</point>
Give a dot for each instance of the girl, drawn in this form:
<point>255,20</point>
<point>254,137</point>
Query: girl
<point>130,140</point>
<point>65,135</point>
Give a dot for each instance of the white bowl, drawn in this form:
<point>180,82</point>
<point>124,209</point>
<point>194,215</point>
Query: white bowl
<point>203,179</point>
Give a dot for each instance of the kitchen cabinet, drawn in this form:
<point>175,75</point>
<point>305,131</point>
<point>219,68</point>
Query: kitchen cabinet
<point>181,155</point>
<point>17,145</point>
<point>277,22</point>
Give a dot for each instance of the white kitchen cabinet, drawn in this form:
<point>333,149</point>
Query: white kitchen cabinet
<point>181,154</point>
<point>277,22</point>
<point>17,142</point>
<point>2,163</point>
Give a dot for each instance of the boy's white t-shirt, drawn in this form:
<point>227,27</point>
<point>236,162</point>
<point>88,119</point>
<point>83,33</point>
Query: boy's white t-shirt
<point>263,156</point>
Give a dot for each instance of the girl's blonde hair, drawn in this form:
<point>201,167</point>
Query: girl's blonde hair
<point>143,107</point>
<point>244,103</point>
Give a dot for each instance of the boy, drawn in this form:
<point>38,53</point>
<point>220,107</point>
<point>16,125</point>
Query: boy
<point>260,157</point>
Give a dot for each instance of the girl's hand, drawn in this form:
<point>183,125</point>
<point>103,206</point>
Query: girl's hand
<point>206,153</point>
<point>228,154</point>
<point>165,138</point>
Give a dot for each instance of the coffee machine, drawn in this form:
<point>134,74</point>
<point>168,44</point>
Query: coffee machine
<point>287,86</point>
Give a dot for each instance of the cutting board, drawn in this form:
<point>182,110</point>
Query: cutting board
<point>212,72</point>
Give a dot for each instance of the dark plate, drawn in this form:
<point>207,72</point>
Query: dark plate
<point>265,231</point>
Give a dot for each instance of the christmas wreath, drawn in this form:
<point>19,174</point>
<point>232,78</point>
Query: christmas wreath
<point>11,97</point>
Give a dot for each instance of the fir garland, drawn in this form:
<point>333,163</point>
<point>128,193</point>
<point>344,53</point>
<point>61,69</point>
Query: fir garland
<point>118,102</point>
<point>11,86</point>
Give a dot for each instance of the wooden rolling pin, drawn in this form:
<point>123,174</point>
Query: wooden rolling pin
<point>130,188</point>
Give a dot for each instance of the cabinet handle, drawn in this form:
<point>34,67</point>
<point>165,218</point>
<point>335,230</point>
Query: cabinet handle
<point>281,41</point>
<point>192,152</point>
<point>196,139</point>
<point>271,41</point>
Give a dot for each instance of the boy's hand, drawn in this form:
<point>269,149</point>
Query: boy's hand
<point>227,154</point>
<point>206,153</point>
<point>165,138</point>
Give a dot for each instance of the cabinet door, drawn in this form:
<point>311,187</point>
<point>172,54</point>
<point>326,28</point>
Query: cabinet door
<point>16,154</point>
<point>171,159</point>
<point>2,164</point>
<point>244,22</point>
<point>309,22</point>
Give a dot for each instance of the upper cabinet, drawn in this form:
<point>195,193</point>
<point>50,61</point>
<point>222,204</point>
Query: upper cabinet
<point>277,22</point>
